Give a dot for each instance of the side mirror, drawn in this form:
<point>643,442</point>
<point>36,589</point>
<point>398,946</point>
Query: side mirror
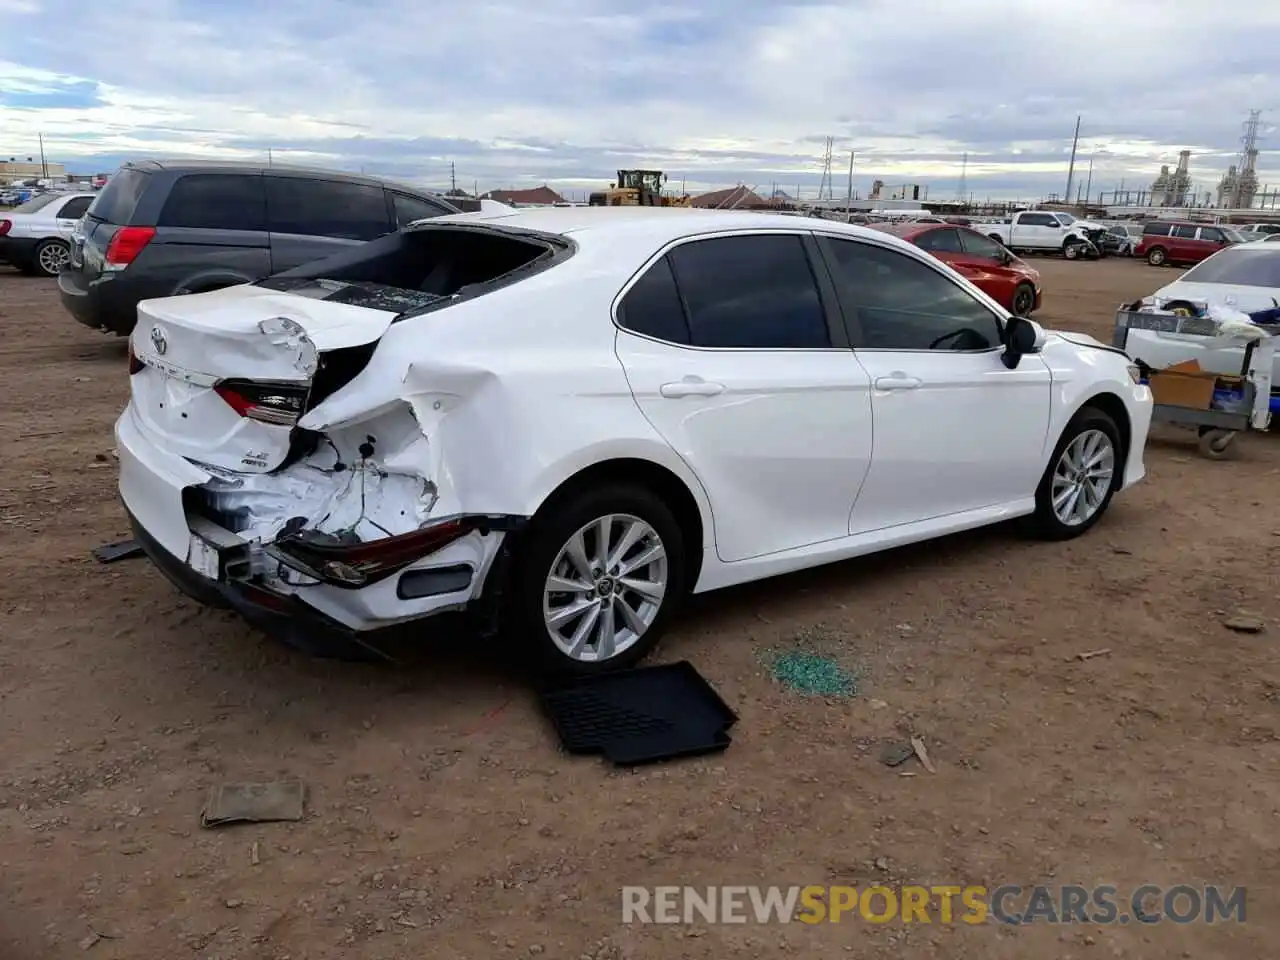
<point>1004,257</point>
<point>1021,336</point>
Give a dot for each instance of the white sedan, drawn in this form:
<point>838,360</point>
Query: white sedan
<point>567,419</point>
<point>35,237</point>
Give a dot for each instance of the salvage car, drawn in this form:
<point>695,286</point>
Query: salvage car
<point>163,228</point>
<point>36,236</point>
<point>565,420</point>
<point>1011,282</point>
<point>1047,231</point>
<point>1182,242</point>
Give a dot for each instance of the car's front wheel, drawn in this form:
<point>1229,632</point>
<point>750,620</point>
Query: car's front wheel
<point>595,580</point>
<point>50,257</point>
<point>1081,478</point>
<point>1024,300</point>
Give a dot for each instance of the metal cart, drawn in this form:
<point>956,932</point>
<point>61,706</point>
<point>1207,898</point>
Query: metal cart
<point>1248,409</point>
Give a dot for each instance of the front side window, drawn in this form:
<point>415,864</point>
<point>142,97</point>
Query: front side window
<point>408,209</point>
<point>1212,234</point>
<point>904,304</point>
<point>1184,231</point>
<point>976,245</point>
<point>753,291</point>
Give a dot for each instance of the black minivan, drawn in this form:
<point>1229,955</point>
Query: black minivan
<point>160,229</point>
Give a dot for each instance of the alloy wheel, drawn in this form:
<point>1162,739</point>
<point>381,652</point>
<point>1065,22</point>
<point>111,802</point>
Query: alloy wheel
<point>605,588</point>
<point>1082,477</point>
<point>52,258</point>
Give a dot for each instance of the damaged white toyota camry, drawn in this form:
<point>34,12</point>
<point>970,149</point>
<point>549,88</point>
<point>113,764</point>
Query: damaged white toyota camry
<point>565,420</point>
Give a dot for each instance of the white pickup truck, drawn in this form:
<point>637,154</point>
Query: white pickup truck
<point>1045,231</point>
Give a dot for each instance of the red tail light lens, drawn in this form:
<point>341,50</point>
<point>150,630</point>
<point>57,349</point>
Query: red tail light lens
<point>5,227</point>
<point>358,564</point>
<point>276,403</point>
<point>127,243</point>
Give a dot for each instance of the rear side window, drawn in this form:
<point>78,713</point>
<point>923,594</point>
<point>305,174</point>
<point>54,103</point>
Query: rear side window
<point>327,208</point>
<point>116,201</point>
<point>652,307</point>
<point>409,209</point>
<point>1184,232</point>
<point>74,208</point>
<point>1155,230</point>
<point>750,291</point>
<point>216,201</point>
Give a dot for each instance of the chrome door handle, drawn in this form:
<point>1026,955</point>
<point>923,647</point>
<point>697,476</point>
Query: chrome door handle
<point>898,381</point>
<point>690,388</point>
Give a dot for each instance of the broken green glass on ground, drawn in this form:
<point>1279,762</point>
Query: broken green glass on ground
<point>812,674</point>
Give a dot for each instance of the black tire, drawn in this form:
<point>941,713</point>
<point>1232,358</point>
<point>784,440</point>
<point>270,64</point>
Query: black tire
<point>1072,249</point>
<point>1024,300</point>
<point>45,251</point>
<point>539,546</point>
<point>1157,256</point>
<point>1045,523</point>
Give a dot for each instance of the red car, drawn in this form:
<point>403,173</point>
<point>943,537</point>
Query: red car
<point>1178,241</point>
<point>995,271</point>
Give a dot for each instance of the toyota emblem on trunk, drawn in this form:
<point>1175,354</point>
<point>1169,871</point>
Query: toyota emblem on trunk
<point>158,341</point>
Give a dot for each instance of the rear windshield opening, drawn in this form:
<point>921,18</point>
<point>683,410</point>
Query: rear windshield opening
<point>414,268</point>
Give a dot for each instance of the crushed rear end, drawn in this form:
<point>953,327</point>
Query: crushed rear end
<point>268,462</point>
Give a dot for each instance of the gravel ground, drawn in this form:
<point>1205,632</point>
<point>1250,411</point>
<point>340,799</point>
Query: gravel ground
<point>443,821</point>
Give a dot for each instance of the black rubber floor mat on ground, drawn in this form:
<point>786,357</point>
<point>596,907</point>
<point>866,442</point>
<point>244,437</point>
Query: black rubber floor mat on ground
<point>641,716</point>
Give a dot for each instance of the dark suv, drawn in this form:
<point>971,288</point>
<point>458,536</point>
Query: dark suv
<point>162,229</point>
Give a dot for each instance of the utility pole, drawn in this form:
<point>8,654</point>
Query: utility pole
<point>1088,186</point>
<point>848,198</point>
<point>453,179</point>
<point>44,166</point>
<point>1071,167</point>
<point>269,159</point>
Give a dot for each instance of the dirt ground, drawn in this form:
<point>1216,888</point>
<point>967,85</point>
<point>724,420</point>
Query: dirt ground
<point>443,821</point>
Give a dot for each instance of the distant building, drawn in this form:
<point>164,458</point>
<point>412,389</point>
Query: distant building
<point>542,196</point>
<point>735,198</point>
<point>16,169</point>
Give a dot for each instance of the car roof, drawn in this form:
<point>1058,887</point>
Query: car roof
<point>254,166</point>
<point>658,225</point>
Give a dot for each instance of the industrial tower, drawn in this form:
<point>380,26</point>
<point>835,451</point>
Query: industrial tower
<point>962,188</point>
<point>825,184</point>
<point>1239,185</point>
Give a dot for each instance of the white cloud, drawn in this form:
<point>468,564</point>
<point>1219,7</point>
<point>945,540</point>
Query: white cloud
<point>569,90</point>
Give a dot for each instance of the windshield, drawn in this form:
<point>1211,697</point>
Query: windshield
<point>1233,235</point>
<point>35,203</point>
<point>1248,265</point>
<point>1065,218</point>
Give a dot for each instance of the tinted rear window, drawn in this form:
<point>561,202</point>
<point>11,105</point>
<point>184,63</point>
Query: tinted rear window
<point>216,201</point>
<point>117,200</point>
<point>1246,265</point>
<point>1155,229</point>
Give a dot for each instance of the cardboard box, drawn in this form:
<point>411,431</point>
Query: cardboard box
<point>1183,385</point>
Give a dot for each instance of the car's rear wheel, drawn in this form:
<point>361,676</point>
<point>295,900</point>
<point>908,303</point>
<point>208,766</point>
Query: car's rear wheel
<point>1157,256</point>
<point>596,579</point>
<point>50,257</point>
<point>1024,300</point>
<point>1081,477</point>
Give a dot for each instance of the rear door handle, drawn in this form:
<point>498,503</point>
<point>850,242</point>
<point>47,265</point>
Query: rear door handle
<point>897,381</point>
<point>691,387</point>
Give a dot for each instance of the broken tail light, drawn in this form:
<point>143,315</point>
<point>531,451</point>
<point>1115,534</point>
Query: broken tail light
<point>126,243</point>
<point>277,403</point>
<point>358,564</point>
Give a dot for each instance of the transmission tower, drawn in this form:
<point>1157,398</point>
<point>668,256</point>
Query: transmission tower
<point>824,185</point>
<point>962,188</point>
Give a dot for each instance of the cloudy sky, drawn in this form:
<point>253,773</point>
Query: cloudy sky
<point>715,92</point>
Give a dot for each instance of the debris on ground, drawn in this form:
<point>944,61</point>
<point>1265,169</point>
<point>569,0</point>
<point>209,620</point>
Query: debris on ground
<point>807,671</point>
<point>918,748</point>
<point>120,550</point>
<point>254,803</point>
<point>1089,655</point>
<point>1244,623</point>
<point>896,754</point>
